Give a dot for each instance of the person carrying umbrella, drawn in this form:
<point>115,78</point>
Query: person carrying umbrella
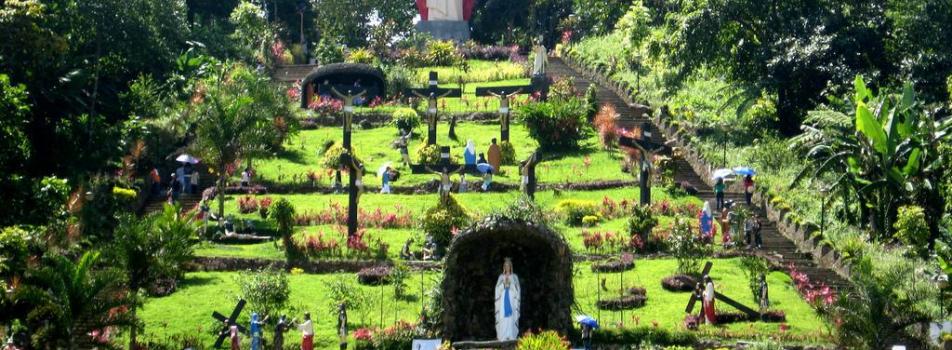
<point>588,326</point>
<point>748,188</point>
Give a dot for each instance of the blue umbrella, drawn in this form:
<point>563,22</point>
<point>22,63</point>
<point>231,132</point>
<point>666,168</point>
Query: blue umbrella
<point>742,170</point>
<point>484,167</point>
<point>587,321</point>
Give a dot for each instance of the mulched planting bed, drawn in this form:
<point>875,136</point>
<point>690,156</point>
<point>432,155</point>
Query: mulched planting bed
<point>679,283</point>
<point>634,297</point>
<point>373,276</point>
<point>626,302</point>
<point>613,266</point>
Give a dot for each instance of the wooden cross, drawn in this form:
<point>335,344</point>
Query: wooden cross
<point>505,94</point>
<point>643,142</point>
<point>432,93</point>
<point>444,168</point>
<point>528,169</point>
<point>228,321</point>
<point>694,298</point>
<point>349,162</point>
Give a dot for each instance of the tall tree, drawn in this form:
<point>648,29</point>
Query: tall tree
<point>791,49</point>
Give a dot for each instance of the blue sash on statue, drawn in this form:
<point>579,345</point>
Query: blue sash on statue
<point>506,306</point>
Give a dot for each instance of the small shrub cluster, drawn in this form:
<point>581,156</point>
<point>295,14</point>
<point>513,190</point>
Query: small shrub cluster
<point>406,119</point>
<point>574,210</point>
<point>814,293</point>
<point>508,153</point>
<point>641,221</point>
<point>442,220</point>
<point>361,55</point>
<point>267,291</point>
<point>428,154</point>
<point>319,246</point>
<point>545,340</point>
<point>687,249</point>
<point>558,124</point>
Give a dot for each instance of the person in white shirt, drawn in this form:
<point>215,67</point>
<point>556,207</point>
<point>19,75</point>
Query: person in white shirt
<point>307,332</point>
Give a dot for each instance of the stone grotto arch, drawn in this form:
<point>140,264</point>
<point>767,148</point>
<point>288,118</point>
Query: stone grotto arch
<point>541,259</point>
<point>342,76</point>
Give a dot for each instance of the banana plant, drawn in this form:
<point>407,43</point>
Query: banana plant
<point>884,156</point>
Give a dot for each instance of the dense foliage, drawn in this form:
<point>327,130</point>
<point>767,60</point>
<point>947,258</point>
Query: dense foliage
<point>558,124</point>
<point>443,220</point>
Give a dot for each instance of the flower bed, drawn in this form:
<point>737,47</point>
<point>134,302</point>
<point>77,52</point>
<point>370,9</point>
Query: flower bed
<point>679,283</point>
<point>373,276</point>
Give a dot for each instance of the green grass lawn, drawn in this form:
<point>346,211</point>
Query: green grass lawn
<point>667,308</point>
<point>188,310</point>
<point>302,154</point>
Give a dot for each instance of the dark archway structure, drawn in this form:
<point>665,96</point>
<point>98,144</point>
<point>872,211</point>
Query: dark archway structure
<point>343,76</point>
<point>540,257</point>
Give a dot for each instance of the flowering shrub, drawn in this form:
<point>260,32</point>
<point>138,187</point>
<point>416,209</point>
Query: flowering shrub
<point>406,119</point>
<point>325,106</point>
<point>593,240</point>
<point>263,206</point>
<point>817,294</point>
<point>396,337</point>
<point>606,121</point>
<point>546,340</point>
<point>440,221</point>
<point>319,246</point>
<point>247,205</point>
<point>294,92</point>
<point>336,214</point>
<point>590,220</point>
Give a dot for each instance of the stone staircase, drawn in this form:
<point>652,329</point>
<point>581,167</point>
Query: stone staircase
<point>292,73</point>
<point>776,248</point>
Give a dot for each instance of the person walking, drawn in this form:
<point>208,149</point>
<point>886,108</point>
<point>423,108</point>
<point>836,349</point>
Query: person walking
<point>175,187</point>
<point>156,181</point>
<point>758,240</point>
<point>748,188</point>
<point>195,181</point>
<point>719,188</point>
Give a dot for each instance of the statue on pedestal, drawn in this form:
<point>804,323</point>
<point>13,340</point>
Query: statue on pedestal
<point>507,303</point>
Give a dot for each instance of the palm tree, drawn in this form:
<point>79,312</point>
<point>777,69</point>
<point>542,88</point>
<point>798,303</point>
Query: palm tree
<point>71,300</point>
<point>155,246</point>
<point>231,124</point>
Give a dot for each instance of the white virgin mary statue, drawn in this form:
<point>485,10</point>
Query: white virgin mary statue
<point>507,303</point>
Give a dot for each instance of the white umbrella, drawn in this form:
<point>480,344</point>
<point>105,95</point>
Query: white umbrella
<point>383,168</point>
<point>185,158</point>
<point>721,173</point>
